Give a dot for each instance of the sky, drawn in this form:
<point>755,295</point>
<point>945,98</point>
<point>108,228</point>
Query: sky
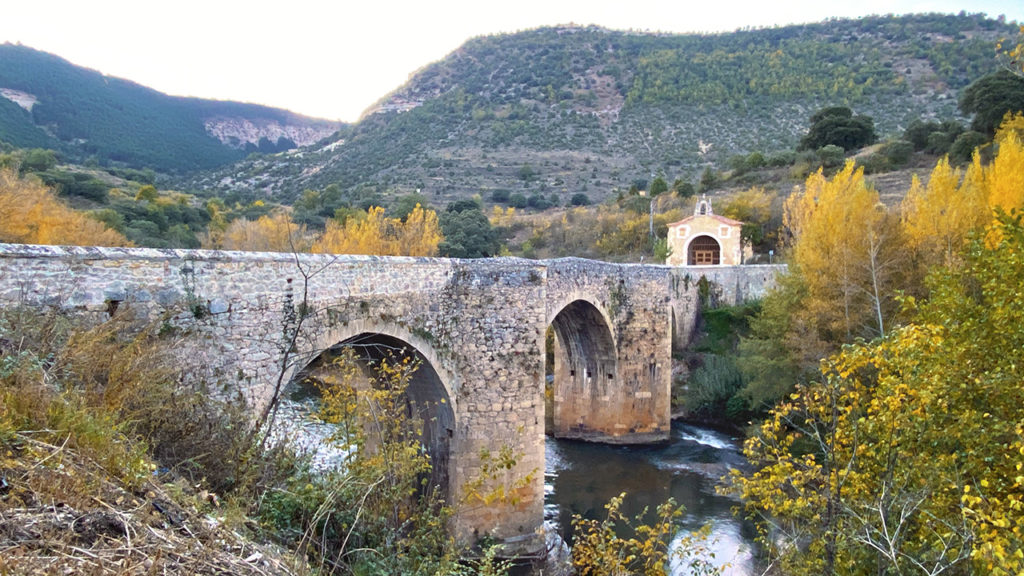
<point>336,58</point>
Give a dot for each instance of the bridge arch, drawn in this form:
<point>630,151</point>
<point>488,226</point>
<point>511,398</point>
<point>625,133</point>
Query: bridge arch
<point>430,399</point>
<point>585,369</point>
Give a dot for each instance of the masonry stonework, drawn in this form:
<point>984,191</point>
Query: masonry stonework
<point>478,324</point>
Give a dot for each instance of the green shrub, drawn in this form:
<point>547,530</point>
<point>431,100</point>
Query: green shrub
<point>964,146</point>
<point>713,385</point>
<point>831,156</point>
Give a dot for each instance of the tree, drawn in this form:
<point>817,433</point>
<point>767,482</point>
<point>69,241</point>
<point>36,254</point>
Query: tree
<point>1012,56</point>
<point>935,137</point>
<point>526,173</point>
<point>406,204</point>
<point>937,218</point>
<point>274,233</point>
<point>538,201</point>
<point>658,186</point>
<point>1002,179</point>
<point>839,127</point>
<point>38,160</point>
<point>500,196</point>
<point>990,98</point>
<point>374,233</point>
<point>709,180</point>
<point>600,549</point>
<point>462,205</point>
<point>906,455</point>
<point>783,346</point>
<point>753,207</point>
<point>683,188</point>
<point>146,193</point>
<point>420,234</point>
<point>468,234</point>
<point>503,218</point>
<point>31,214</point>
<point>835,226</point>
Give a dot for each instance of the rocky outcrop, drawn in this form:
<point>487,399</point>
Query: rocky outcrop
<point>23,99</point>
<point>237,131</point>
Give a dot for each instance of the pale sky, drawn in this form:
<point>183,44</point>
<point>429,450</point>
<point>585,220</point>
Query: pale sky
<point>333,59</point>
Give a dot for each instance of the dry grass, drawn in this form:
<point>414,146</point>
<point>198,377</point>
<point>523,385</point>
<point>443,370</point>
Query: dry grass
<point>61,513</point>
<point>83,411</point>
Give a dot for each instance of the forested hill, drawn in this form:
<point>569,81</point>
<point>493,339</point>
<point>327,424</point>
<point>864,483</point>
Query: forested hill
<point>49,102</point>
<point>569,109</point>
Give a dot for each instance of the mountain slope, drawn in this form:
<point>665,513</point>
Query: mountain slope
<point>47,101</point>
<point>568,109</point>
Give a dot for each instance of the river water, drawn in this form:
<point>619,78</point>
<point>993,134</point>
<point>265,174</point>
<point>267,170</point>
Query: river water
<point>580,478</point>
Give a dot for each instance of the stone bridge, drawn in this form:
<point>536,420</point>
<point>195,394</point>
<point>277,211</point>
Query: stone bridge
<point>478,327</point>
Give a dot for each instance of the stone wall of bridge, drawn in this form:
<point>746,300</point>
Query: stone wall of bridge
<point>479,327</point>
<point>478,324</point>
<point>727,286</point>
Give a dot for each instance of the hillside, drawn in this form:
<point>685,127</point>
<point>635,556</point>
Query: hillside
<point>49,102</point>
<point>569,109</point>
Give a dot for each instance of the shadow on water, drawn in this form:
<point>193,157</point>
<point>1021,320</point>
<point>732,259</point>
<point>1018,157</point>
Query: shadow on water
<point>580,478</point>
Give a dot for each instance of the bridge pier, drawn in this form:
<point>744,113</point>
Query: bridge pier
<point>612,358</point>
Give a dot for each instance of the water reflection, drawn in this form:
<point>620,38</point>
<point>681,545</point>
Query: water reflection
<point>580,478</point>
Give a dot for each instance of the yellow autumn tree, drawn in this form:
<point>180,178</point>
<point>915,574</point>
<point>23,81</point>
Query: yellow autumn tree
<point>907,455</point>
<point>1012,122</point>
<point>937,218</point>
<point>420,234</point>
<point>503,217</point>
<point>753,205</point>
<point>31,214</point>
<point>273,233</point>
<point>844,245</point>
<point>1004,178</point>
<point>379,235</point>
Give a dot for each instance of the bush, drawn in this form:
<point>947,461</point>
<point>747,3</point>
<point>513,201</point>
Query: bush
<point>918,131</point>
<point>890,156</point>
<point>579,199</point>
<point>538,201</point>
<point>874,164</point>
<point>713,384</point>
<point>109,392</point>
<point>622,545</point>
<point>938,143</point>
<point>964,146</point>
<point>897,152</point>
<point>500,196</point>
<point>76,184</point>
<point>831,156</point>
<point>781,159</point>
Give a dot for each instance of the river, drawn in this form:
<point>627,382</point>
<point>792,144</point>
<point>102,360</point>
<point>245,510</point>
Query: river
<point>580,478</point>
